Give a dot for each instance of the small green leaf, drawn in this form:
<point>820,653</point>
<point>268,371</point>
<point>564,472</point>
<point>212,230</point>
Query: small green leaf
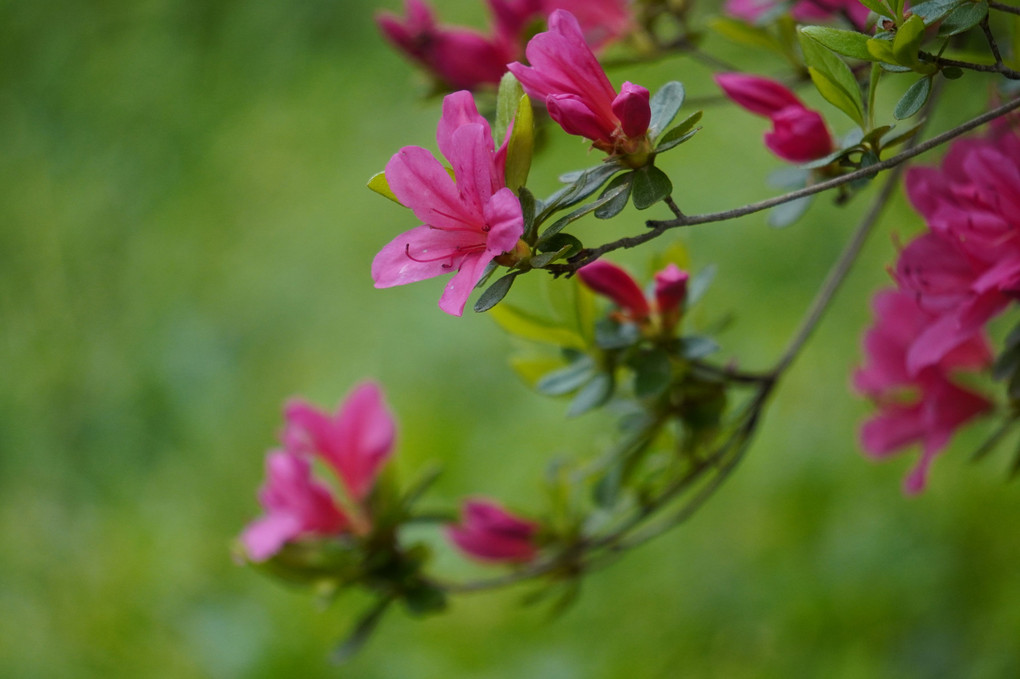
<point>620,188</point>
<point>607,196</point>
<point>380,185</point>
<point>933,10</point>
<point>848,43</point>
<point>521,145</point>
<point>787,213</point>
<point>963,18</point>
<point>528,206</point>
<point>650,186</point>
<point>952,72</point>
<point>913,99</point>
<point>881,50</point>
<point>665,104</point>
<point>877,6</point>
<point>526,326</point>
<point>508,99</point>
<point>592,395</point>
<point>898,136</point>
<point>679,134</point>
<point>908,41</point>
<point>582,184</point>
<point>697,346</point>
<point>495,292</point>
<point>834,79</point>
<point>567,379</point>
<point>424,599</point>
<point>559,245</point>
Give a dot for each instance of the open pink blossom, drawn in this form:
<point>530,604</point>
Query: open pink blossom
<point>354,443</point>
<point>798,133</point>
<point>566,76</point>
<point>489,533</point>
<point>613,282</point>
<point>469,219</point>
<point>924,407</point>
<point>804,11</point>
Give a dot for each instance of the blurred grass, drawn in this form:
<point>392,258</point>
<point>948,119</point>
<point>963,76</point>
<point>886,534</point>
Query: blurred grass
<point>186,241</point>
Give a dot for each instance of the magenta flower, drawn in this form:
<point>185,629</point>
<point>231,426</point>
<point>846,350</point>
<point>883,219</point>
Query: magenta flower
<point>669,293</point>
<point>468,220</point>
<point>923,407</point>
<point>354,443</point>
<point>798,134</point>
<point>804,11</point>
<point>460,58</point>
<point>566,76</point>
<point>490,533</point>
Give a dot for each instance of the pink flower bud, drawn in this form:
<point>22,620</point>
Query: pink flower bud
<point>490,533</point>
<point>798,135</point>
<point>670,288</point>
<point>762,96</point>
<point>632,107</point>
<point>613,282</point>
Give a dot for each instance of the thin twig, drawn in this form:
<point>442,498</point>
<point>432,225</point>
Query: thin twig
<point>997,67</point>
<point>992,43</point>
<point>657,228</point>
<point>1003,8</point>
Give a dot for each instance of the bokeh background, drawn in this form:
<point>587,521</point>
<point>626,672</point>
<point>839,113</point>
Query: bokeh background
<point>185,240</point>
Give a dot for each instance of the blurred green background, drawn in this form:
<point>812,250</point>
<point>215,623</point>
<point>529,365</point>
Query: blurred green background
<point>185,241</point>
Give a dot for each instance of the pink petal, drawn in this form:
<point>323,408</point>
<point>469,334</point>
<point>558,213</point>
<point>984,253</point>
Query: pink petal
<point>670,288</point>
<point>363,439</point>
<point>421,183</point>
<point>575,117</point>
<point>616,284</point>
<point>798,135</point>
<point>633,109</point>
<point>458,290</point>
<point>505,221</point>
<point>762,96</point>
<point>423,252</point>
<point>459,109</point>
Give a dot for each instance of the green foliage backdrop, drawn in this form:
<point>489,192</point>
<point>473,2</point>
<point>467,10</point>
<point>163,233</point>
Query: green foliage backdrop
<point>185,240</point>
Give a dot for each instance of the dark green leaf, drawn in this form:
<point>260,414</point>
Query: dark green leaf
<point>898,136</point>
<point>607,196</point>
<point>563,244</point>
<point>423,599</point>
<point>582,184</point>
<point>612,335</point>
<point>963,18</point>
<point>952,72</point>
<point>592,395</point>
<point>495,292</point>
<point>787,213</point>
<point>528,205</point>
<point>848,43</point>
<point>650,185</point>
<point>652,372</point>
<point>679,134</point>
<point>1007,363</point>
<point>620,187</point>
<point>696,346</point>
<point>913,99</point>
<point>567,379</point>
<point>665,104</point>
<point>933,10</point>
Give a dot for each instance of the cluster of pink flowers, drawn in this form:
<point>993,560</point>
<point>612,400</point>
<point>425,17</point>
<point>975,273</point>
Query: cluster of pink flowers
<point>804,11</point>
<point>665,302</point>
<point>798,134</point>
<point>952,280</point>
<point>463,58</point>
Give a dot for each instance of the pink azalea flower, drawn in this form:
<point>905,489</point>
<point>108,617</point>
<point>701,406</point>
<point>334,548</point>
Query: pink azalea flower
<point>490,533</point>
<point>967,269</point>
<point>923,407</point>
<point>613,282</point>
<point>804,11</point>
<point>468,220</point>
<point>354,443</point>
<point>461,58</point>
<point>798,134</point>
<point>565,74</point>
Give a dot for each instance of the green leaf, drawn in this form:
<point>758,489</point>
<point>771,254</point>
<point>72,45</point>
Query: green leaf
<point>963,18</point>
<point>560,245</point>
<point>495,292</point>
<point>877,6</point>
<point>380,185</point>
<point>528,206</point>
<point>665,104</point>
<point>697,346</point>
<point>848,43</point>
<point>582,184</point>
<point>567,379</point>
<point>424,599</point>
<point>607,196</point>
<point>527,326</point>
<point>652,372</point>
<point>592,395</point>
<point>834,79</point>
<point>650,185</point>
<point>361,633</point>
<point>787,213</point>
<point>933,10</point>
<point>508,99</point>
<point>521,145</point>
<point>679,134</point>
<point>898,136</point>
<point>620,188</point>
<point>881,50</point>
<point>908,41</point>
<point>612,335</point>
<point>913,99</point>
